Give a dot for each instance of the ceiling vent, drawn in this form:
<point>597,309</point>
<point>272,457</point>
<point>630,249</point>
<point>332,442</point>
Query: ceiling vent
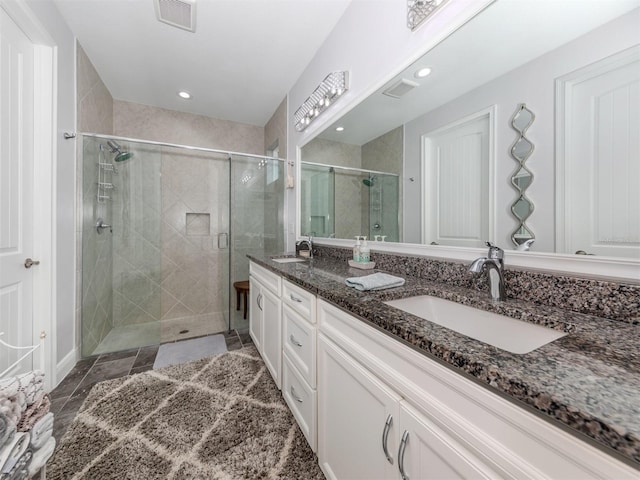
<point>400,88</point>
<point>178,13</point>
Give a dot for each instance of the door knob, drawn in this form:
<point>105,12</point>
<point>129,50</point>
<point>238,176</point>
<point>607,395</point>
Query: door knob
<point>28,263</point>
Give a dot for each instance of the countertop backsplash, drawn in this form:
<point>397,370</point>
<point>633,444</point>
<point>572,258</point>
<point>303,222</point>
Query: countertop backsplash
<point>607,299</point>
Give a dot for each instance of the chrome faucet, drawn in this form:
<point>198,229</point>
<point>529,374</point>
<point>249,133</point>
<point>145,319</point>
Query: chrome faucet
<point>309,242</point>
<point>493,264</point>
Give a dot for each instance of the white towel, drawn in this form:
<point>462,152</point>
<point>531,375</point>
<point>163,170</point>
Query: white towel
<point>41,456</point>
<point>7,429</point>
<point>375,281</point>
<point>13,406</point>
<point>31,384</point>
<point>41,431</point>
<point>13,450</point>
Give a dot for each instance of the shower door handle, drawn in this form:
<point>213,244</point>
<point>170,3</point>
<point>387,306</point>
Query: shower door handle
<point>223,241</point>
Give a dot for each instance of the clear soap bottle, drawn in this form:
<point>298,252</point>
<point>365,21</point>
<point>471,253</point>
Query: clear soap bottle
<point>364,251</point>
<point>356,250</point>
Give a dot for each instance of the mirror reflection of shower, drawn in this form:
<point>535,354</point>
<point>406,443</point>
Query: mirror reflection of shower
<point>370,182</point>
<point>339,201</point>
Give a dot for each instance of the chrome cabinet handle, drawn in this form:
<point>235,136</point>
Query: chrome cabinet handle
<point>296,397</point>
<point>385,436</point>
<point>295,299</point>
<point>258,301</point>
<point>403,446</point>
<point>294,341</point>
<point>29,262</point>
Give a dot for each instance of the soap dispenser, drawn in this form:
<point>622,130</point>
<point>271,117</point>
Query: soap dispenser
<point>356,250</point>
<point>364,251</point>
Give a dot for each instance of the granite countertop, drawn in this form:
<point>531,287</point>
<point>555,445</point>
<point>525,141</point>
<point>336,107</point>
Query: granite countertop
<point>589,380</point>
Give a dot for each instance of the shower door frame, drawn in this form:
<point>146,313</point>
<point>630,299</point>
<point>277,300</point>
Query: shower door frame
<point>228,153</point>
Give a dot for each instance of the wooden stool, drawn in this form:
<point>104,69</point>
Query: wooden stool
<point>241,287</point>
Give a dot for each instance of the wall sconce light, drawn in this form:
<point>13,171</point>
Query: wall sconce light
<point>419,10</point>
<point>333,86</point>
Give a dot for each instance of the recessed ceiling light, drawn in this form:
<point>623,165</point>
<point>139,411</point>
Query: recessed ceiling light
<point>185,95</point>
<point>339,129</point>
<point>423,72</point>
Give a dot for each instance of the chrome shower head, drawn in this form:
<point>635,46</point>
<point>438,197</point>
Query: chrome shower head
<point>121,155</point>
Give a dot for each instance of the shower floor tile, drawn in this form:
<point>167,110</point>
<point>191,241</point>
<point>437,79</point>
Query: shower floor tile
<point>128,337</point>
<point>196,326</point>
<point>143,334</point>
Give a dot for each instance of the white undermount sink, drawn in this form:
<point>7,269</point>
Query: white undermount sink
<point>506,333</point>
<point>288,260</point>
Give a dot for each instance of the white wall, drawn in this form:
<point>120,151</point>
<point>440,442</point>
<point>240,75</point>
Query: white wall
<point>371,41</point>
<point>64,168</point>
<point>533,84</point>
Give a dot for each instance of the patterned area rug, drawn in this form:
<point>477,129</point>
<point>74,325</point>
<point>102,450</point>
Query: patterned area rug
<point>220,417</point>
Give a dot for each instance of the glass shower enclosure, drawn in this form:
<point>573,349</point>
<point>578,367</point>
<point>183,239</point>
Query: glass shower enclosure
<point>165,234</point>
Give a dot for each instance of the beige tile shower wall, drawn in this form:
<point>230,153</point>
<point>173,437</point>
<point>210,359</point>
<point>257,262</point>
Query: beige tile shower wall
<point>95,115</point>
<point>384,153</point>
<point>133,120</point>
<point>348,201</point>
<point>95,104</point>
<point>276,129</point>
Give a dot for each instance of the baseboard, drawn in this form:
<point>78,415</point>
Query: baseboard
<point>65,366</point>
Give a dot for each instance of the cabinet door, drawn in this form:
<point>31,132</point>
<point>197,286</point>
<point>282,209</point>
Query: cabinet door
<point>353,409</point>
<point>255,313</point>
<point>271,334</point>
<point>427,452</point>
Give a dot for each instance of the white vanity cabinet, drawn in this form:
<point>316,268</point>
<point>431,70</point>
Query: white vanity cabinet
<point>373,408</point>
<point>265,318</point>
<point>358,416</point>
<point>299,358</point>
<point>367,431</point>
<point>388,411</point>
<point>427,451</point>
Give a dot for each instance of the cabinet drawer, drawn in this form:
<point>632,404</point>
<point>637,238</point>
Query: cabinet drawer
<point>269,280</point>
<point>299,343</point>
<point>300,300</point>
<point>301,400</point>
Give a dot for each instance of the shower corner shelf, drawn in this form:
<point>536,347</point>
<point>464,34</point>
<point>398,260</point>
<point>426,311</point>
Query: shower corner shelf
<point>30,349</point>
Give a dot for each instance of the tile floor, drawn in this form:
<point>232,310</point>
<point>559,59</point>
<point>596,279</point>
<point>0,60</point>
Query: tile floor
<point>68,396</point>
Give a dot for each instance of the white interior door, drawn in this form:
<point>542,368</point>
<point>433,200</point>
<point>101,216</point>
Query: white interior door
<point>457,183</point>
<point>16,192</point>
<point>600,138</point>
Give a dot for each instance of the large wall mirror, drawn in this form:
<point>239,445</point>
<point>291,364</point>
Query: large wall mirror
<point>426,159</point>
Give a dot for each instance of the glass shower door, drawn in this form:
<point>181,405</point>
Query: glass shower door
<point>195,238</point>
<point>158,270</point>
<point>257,225</point>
